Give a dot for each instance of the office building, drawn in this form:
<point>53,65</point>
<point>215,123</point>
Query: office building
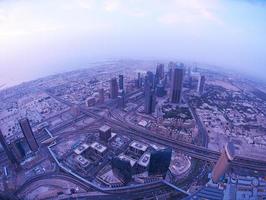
<point>150,78</point>
<point>176,84</point>
<point>160,71</point>
<point>138,147</point>
<point>149,101</point>
<point>28,134</point>
<point>101,95</point>
<point>105,133</point>
<point>121,98</point>
<point>160,162</point>
<point>18,149</point>
<point>201,84</point>
<point>171,65</point>
<point>139,81</point>
<point>160,91</point>
<point>7,150</point>
<point>121,82</point>
<point>98,148</point>
<point>90,101</point>
<point>113,88</point>
<point>223,162</point>
<point>122,169</point>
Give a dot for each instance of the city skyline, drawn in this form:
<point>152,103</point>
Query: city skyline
<point>132,99</point>
<point>229,34</point>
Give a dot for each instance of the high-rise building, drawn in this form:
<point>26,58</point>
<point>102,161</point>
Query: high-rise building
<point>105,133</point>
<point>7,150</point>
<point>160,71</point>
<point>176,84</point>
<point>160,91</point>
<point>223,162</point>
<point>113,88</point>
<point>101,95</point>
<point>18,149</point>
<point>28,134</point>
<point>139,81</point>
<point>150,78</point>
<point>121,98</point>
<point>201,84</point>
<point>122,169</point>
<point>160,162</point>
<point>171,65</point>
<point>121,82</point>
<point>149,100</point>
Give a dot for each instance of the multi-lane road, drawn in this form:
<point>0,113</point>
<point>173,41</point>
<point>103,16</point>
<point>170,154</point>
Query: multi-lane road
<point>195,151</point>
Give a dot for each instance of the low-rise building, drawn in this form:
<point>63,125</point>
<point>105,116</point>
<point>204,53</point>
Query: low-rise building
<point>81,161</point>
<point>98,148</point>
<point>138,147</point>
<point>81,148</point>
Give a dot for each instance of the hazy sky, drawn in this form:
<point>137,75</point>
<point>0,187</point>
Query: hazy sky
<point>40,37</point>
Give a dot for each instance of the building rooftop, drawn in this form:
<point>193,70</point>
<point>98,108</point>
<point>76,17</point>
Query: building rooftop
<point>82,161</point>
<point>144,159</point>
<point>131,160</point>
<point>98,147</point>
<point>143,123</point>
<point>109,178</point>
<point>81,148</point>
<point>104,128</point>
<point>138,145</point>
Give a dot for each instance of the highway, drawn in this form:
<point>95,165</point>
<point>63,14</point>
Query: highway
<point>57,175</point>
<point>138,190</point>
<point>192,150</point>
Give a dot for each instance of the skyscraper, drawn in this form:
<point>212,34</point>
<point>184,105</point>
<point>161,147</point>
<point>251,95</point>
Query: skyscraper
<point>150,78</point>
<point>28,134</point>
<point>176,83</point>
<point>201,84</point>
<point>7,150</point>
<point>121,82</point>
<point>160,162</point>
<point>18,149</point>
<point>139,81</point>
<point>223,162</point>
<point>149,100</point>
<point>101,95</point>
<point>160,71</point>
<point>121,98</point>
<point>160,91</point>
<point>113,88</point>
<point>170,69</point>
<point>122,169</point>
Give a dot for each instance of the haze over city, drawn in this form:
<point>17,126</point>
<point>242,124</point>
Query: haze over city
<point>39,38</point>
<point>132,100</point>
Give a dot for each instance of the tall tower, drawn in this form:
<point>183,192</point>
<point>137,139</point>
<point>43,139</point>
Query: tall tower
<point>160,71</point>
<point>121,82</point>
<point>170,69</point>
<point>159,162</point>
<point>101,95</point>
<point>121,98</point>
<point>113,88</point>
<point>17,148</point>
<point>223,162</point>
<point>6,148</point>
<point>176,83</point>
<point>201,84</point>
<point>28,134</point>
<point>139,82</point>
<point>149,100</point>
